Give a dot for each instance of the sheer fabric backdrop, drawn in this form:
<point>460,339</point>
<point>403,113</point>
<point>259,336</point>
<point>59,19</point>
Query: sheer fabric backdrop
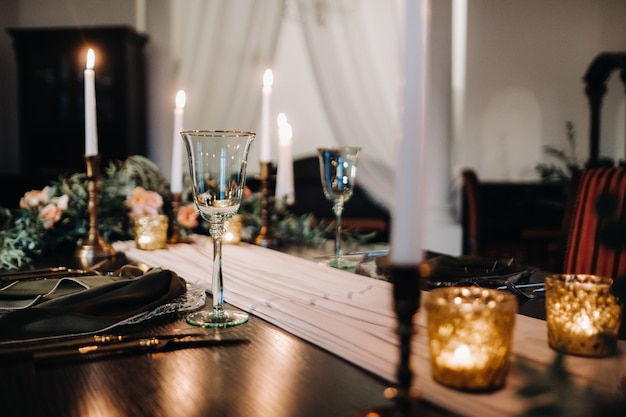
<point>356,52</point>
<point>222,47</point>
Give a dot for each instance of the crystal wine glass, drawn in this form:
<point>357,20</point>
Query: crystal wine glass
<point>338,172</point>
<point>217,164</point>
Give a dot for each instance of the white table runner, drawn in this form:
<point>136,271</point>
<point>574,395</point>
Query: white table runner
<point>352,316</point>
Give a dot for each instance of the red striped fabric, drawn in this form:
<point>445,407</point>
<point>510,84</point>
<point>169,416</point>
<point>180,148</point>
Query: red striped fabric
<point>585,254</point>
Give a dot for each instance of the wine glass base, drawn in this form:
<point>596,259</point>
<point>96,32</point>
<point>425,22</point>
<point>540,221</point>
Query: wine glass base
<point>345,262</point>
<point>217,318</point>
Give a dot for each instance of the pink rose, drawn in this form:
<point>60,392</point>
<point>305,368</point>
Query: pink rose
<point>188,216</point>
<point>62,202</point>
<point>49,215</point>
<point>142,202</point>
<point>34,198</point>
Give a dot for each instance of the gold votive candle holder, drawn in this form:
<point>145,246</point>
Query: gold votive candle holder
<point>470,332</point>
<point>582,314</point>
<point>232,235</point>
<point>151,231</point>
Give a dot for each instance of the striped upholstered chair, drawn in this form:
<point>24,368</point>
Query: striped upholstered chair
<point>598,215</point>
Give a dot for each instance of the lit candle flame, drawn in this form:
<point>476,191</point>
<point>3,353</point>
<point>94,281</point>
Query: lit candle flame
<point>462,355</point>
<point>91,59</point>
<point>180,99</point>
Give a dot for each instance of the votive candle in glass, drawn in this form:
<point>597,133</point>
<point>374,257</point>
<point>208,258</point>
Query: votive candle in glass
<point>232,235</point>
<point>151,231</point>
<point>470,331</point>
<point>582,314</point>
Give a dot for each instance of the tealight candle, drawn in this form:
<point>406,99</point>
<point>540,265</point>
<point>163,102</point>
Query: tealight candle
<point>470,331</point>
<point>582,314</point>
<point>151,231</point>
<point>232,235</point>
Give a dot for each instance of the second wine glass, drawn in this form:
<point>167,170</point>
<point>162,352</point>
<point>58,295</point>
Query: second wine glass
<point>338,171</point>
<point>217,164</point>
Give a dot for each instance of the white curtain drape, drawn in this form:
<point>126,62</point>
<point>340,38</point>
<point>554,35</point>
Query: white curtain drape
<point>221,49</point>
<point>356,52</point>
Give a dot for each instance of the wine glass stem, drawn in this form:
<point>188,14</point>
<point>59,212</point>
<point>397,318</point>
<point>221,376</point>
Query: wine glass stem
<point>338,209</point>
<point>217,285</point>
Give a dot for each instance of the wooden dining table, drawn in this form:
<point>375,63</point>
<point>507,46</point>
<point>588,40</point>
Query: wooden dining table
<point>272,372</point>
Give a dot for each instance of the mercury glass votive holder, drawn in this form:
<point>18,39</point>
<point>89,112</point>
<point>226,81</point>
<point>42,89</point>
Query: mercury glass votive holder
<point>151,231</point>
<point>470,332</point>
<point>582,314</point>
<point>232,235</point>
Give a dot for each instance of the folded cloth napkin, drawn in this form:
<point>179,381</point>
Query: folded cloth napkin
<point>71,306</point>
<point>444,270</point>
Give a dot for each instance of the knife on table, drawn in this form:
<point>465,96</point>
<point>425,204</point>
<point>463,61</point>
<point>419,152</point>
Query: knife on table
<point>59,271</point>
<point>21,351</point>
<point>149,345</point>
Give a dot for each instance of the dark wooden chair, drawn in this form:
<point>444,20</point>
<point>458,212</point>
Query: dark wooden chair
<point>596,77</point>
<point>472,207</point>
<point>596,234</point>
<point>482,232</point>
<point>512,220</point>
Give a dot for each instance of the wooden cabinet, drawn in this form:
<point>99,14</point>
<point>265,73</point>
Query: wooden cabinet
<point>50,65</point>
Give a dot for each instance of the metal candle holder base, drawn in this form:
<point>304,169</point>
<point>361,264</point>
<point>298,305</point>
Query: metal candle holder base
<point>94,249</point>
<point>406,297</point>
<point>266,236</point>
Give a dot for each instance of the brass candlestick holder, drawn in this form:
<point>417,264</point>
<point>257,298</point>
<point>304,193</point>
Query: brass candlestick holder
<point>266,236</point>
<point>94,249</point>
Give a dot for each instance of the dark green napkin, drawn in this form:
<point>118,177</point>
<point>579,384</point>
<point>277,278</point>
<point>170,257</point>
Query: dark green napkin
<point>107,302</point>
<point>445,270</point>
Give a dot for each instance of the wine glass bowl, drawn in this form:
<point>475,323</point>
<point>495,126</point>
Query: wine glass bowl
<point>338,166</point>
<point>217,166</point>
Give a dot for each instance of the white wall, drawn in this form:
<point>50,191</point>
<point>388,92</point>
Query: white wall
<point>526,60</point>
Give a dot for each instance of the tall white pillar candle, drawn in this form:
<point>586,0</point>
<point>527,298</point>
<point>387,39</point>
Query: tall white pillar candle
<point>408,206</point>
<point>284,175</point>
<point>176,181</point>
<point>268,80</point>
<point>91,125</point>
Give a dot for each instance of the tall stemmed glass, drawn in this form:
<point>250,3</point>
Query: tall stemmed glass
<point>217,163</point>
<point>338,171</point>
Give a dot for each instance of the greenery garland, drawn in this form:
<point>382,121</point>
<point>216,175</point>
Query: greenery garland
<point>54,219</point>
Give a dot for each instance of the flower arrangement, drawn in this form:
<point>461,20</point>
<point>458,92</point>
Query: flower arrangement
<point>54,219</point>
<point>142,202</point>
